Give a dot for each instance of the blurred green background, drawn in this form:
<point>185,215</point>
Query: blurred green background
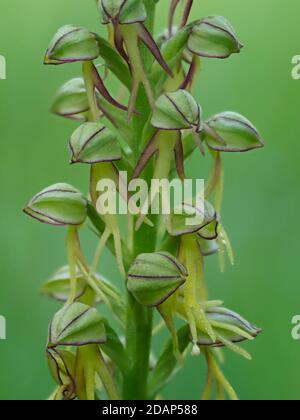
<point>261,202</point>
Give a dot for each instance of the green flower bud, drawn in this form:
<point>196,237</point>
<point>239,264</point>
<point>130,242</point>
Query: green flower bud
<point>71,101</point>
<point>153,278</point>
<point>93,143</point>
<point>71,44</point>
<point>61,364</point>
<point>214,37</point>
<point>203,222</point>
<point>76,325</point>
<point>58,287</point>
<point>231,132</point>
<point>177,111</point>
<point>122,11</point>
<point>58,205</point>
<point>228,324</point>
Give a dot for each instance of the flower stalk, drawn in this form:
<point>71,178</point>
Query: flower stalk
<point>161,258</point>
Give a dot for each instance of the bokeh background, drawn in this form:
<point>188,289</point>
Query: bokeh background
<point>261,205</point>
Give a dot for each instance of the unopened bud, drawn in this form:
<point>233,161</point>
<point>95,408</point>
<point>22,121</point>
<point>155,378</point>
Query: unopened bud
<point>153,278</point>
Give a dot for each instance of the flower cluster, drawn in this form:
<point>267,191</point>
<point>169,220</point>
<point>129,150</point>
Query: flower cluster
<point>161,259</point>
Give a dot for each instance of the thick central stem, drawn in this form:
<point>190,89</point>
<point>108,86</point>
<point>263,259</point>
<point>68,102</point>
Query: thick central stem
<point>139,334</point>
<point>139,318</point>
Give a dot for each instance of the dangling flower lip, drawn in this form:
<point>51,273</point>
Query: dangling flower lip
<point>51,57</point>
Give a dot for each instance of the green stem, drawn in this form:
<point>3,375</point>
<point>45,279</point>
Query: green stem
<point>87,68</point>
<point>71,244</point>
<point>140,319</point>
<point>139,335</point>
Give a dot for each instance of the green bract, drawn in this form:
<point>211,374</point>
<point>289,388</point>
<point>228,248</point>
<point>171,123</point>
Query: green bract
<point>225,317</point>
<point>213,37</point>
<point>71,100</point>
<point>231,132</point>
<point>71,44</point>
<point>153,278</point>
<point>94,143</point>
<point>201,221</point>
<point>76,325</point>
<point>122,11</point>
<point>59,205</point>
<point>177,111</point>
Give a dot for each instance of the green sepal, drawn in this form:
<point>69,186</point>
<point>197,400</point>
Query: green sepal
<point>71,44</point>
<point>231,132</point>
<point>58,205</point>
<point>153,278</point>
<point>201,221</point>
<point>213,37</point>
<point>231,319</point>
<point>177,111</point>
<point>71,101</point>
<point>61,364</point>
<point>94,143</point>
<point>122,11</point>
<point>58,286</point>
<point>208,247</point>
<point>76,325</point>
